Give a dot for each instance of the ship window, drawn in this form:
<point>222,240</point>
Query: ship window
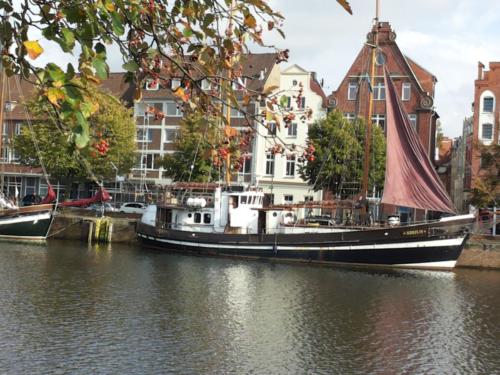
<point>207,218</point>
<point>275,214</point>
<point>190,215</point>
<point>197,217</point>
<point>243,199</point>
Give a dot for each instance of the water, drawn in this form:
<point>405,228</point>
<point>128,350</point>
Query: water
<point>69,308</point>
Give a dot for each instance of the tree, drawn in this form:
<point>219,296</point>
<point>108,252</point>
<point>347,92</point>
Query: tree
<point>112,142</point>
<point>195,140</point>
<point>486,191</point>
<point>159,40</point>
<point>334,157</point>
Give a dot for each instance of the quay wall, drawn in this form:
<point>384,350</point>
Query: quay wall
<point>481,252</point>
<point>75,225</point>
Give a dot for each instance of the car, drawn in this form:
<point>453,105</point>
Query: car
<point>106,207</point>
<point>132,208</point>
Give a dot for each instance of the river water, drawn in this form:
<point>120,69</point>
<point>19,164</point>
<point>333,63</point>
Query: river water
<point>66,308</point>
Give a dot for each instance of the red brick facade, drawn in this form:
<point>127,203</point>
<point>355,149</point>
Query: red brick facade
<point>487,85</point>
<point>420,83</point>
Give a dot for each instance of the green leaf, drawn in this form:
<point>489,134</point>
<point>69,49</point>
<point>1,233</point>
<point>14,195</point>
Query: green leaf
<point>117,24</point>
<point>101,67</point>
<point>131,66</point>
<point>81,131</point>
<point>69,38</point>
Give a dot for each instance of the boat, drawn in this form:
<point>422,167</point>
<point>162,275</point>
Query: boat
<point>28,223</point>
<point>229,220</point>
<point>225,220</point>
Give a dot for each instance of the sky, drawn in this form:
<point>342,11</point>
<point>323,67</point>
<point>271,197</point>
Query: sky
<point>447,37</point>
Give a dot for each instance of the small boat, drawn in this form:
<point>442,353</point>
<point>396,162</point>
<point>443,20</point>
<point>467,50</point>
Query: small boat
<point>31,223</point>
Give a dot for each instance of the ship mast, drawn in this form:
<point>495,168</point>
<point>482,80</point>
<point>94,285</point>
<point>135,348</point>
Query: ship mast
<point>228,130</point>
<point>368,134</point>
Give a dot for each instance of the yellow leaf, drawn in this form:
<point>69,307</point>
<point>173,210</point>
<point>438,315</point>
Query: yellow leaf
<point>250,21</point>
<point>33,48</point>
<point>54,94</point>
<point>110,6</point>
<point>345,5</point>
<point>181,94</point>
<point>269,89</point>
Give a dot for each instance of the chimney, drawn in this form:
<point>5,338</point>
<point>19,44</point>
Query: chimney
<point>480,67</point>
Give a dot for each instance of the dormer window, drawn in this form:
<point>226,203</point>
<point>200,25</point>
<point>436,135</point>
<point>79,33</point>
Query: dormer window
<point>205,85</point>
<point>152,85</point>
<point>488,104</point>
<point>176,82</point>
<point>239,84</point>
<point>406,91</point>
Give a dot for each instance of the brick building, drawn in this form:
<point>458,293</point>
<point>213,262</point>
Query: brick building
<point>414,82</point>
<point>485,122</point>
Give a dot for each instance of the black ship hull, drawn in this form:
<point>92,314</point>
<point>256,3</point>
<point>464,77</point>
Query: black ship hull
<point>430,246</point>
<point>26,224</point>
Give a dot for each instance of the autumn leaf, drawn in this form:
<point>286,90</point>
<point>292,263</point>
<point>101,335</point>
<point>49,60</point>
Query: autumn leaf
<point>54,95</point>
<point>33,48</point>
<point>181,94</point>
<point>345,4</point>
<point>250,21</point>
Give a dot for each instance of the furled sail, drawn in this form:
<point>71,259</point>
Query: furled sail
<point>410,178</point>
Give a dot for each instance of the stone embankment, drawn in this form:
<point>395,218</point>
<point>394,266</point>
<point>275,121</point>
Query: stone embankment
<point>481,252</point>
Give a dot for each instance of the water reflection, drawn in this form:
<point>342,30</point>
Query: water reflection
<point>73,308</point>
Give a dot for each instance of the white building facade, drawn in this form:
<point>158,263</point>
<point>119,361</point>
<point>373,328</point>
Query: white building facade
<point>278,174</point>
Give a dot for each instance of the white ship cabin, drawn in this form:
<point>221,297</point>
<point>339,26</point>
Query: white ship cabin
<point>237,210</point>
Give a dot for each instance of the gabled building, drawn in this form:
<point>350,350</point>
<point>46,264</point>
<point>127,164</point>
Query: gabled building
<point>485,121</point>
<point>415,84</point>
<point>278,174</point>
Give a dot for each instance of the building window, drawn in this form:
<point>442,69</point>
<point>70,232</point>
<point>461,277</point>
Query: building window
<point>197,217</point>
<point>152,85</point>
<point>406,91</point>
<point>290,166</point>
<point>246,168</point>
<point>236,113</point>
<point>292,130</point>
<point>145,135</point>
<point>205,84</point>
<point>379,120</point>
<point>173,109</point>
<point>379,91</point>
<point>413,120</point>
<point>288,199</point>
<point>148,109</point>
<point>352,91</point>
<point>176,83</point>
<point>487,131</point>
<point>286,102</point>
<point>380,58</point>
<point>488,103</point>
<point>350,117</point>
<point>301,103</point>
<point>17,129</point>
<point>170,135</point>
<point>147,161</point>
<point>270,164</point>
<point>271,128</point>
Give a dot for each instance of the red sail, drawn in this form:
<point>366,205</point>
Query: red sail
<point>101,196</point>
<point>410,178</point>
